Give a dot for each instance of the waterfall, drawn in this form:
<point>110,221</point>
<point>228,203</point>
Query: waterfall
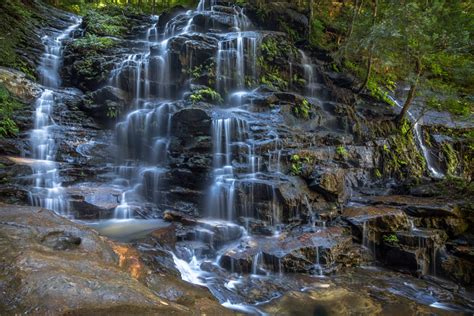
<point>226,132</point>
<point>309,75</point>
<point>52,58</point>
<point>47,191</point>
<point>417,129</point>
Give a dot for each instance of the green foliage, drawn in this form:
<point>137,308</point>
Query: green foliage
<point>451,158</point>
<point>391,239</point>
<point>422,43</point>
<point>8,105</point>
<point>206,95</point>
<point>401,157</point>
<point>342,151</point>
<point>457,105</point>
<point>145,6</point>
<point>302,109</point>
<point>16,20</point>
<point>102,24</point>
<point>377,92</point>
<point>297,164</point>
<point>317,34</point>
<point>112,111</point>
<point>93,44</point>
<point>204,70</point>
<point>273,78</point>
<point>377,173</point>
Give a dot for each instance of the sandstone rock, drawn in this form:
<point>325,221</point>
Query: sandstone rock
<point>330,182</point>
<point>380,219</point>
<point>56,266</point>
<point>18,85</point>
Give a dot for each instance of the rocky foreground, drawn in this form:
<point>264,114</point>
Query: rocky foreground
<point>50,265</point>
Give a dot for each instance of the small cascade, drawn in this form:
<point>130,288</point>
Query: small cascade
<point>143,138</point>
<point>427,154</point>
<point>47,191</point>
<point>52,58</point>
<point>123,211</point>
<point>317,266</point>
<point>236,61</point>
<point>309,75</point>
<point>226,132</point>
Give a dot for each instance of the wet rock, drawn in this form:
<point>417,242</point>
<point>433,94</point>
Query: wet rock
<point>330,182</point>
<point>458,268</point>
<point>175,216</point>
<point>105,105</point>
<point>191,121</point>
<point>429,212</point>
<point>165,235</point>
<point>292,252</point>
<point>324,301</point>
<point>167,15</point>
<point>380,219</point>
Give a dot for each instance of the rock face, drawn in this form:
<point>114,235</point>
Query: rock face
<point>51,265</point>
<point>18,85</point>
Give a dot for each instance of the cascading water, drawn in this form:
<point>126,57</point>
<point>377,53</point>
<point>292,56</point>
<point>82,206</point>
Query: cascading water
<point>246,170</point>
<point>47,191</point>
<point>309,75</point>
<point>427,154</point>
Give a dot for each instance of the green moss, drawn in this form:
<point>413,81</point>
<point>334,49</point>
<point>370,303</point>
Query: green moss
<point>272,62</point>
<point>206,95</point>
<point>17,19</point>
<point>452,161</point>
<point>273,78</point>
<point>8,105</point>
<point>302,109</point>
<point>400,157</point>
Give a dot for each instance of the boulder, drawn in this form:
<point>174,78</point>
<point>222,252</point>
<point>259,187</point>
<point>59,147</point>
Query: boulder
<point>191,121</point>
<point>330,182</point>
<point>18,85</point>
<point>105,104</point>
<point>60,267</point>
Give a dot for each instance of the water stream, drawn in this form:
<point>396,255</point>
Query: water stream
<point>47,190</point>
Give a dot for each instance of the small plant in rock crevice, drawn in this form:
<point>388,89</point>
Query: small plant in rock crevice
<point>391,239</point>
<point>297,164</point>
<point>341,151</point>
<point>206,95</point>
<point>302,109</point>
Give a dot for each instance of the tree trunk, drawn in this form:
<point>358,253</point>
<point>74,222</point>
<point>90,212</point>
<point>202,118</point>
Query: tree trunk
<point>354,15</point>
<point>371,48</point>
<point>411,93</point>
<point>311,17</point>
